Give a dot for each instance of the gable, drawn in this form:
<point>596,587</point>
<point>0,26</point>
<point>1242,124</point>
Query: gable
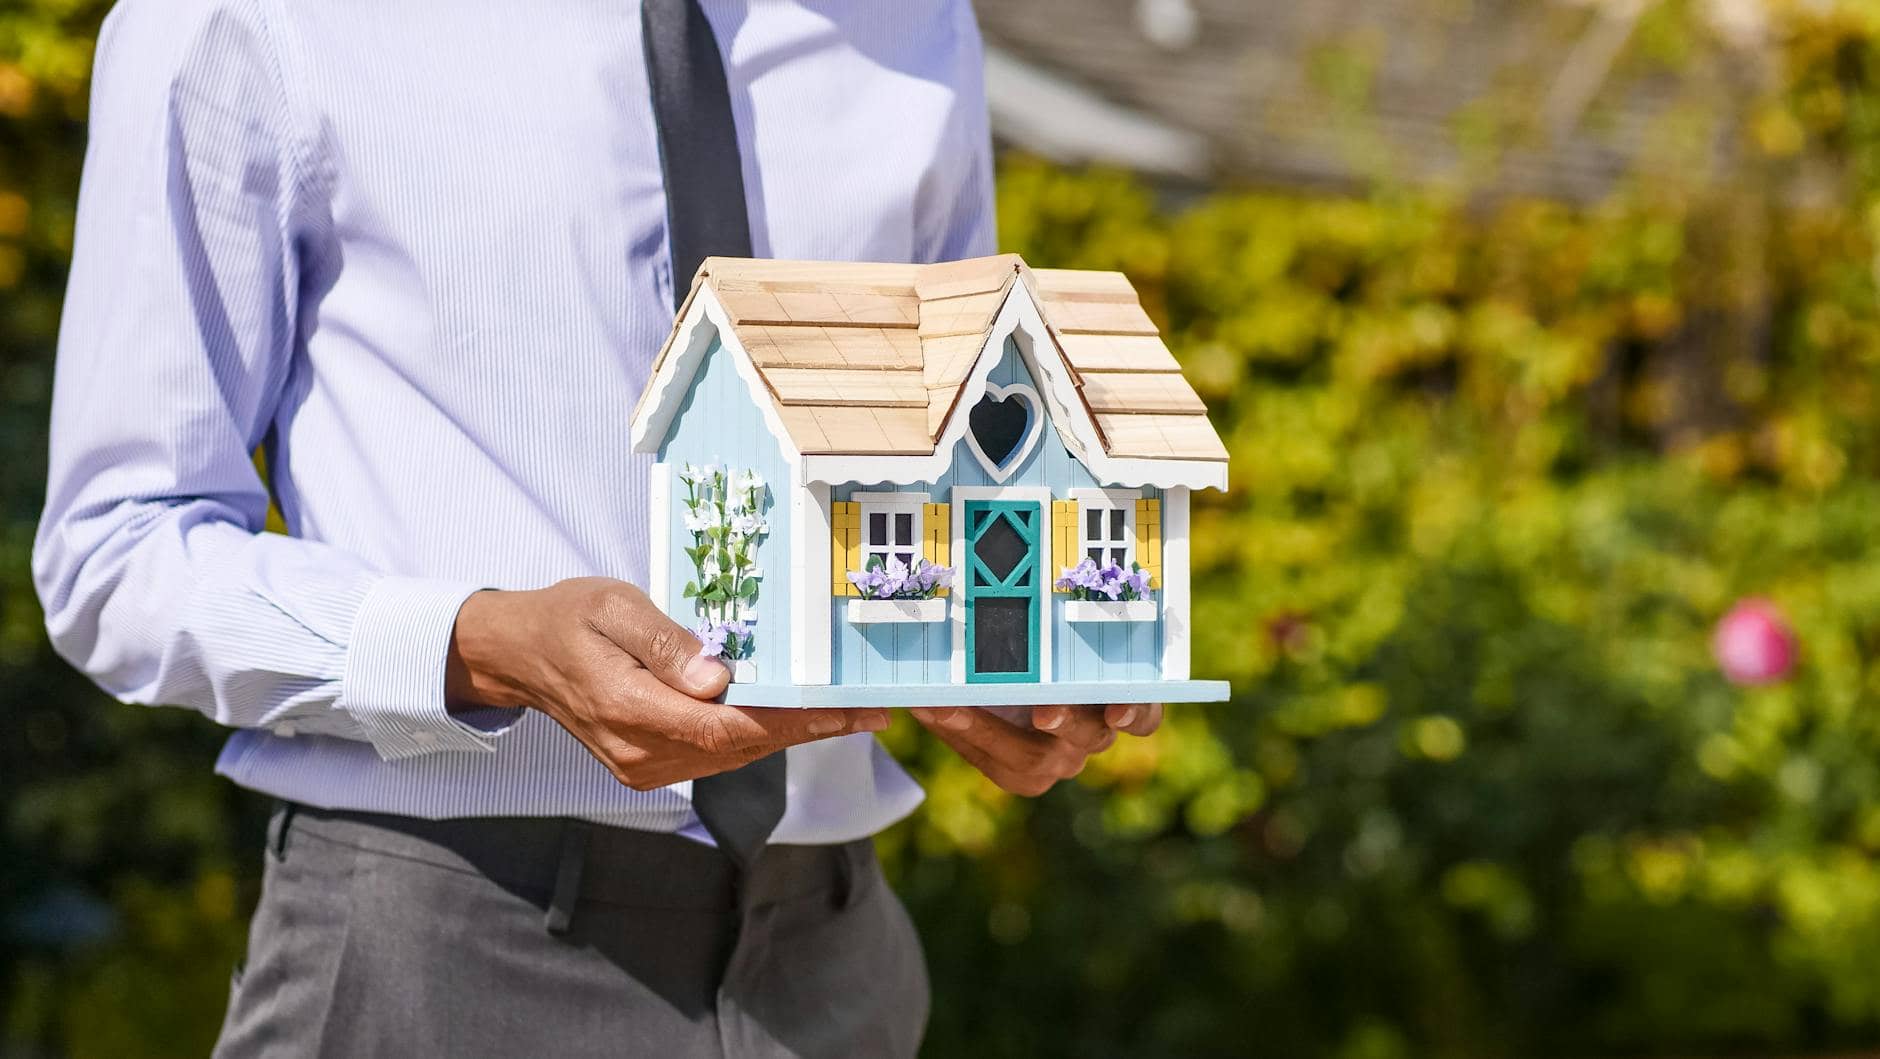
<point>877,363</point>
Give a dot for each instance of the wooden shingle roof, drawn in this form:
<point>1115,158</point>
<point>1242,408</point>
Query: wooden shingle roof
<point>870,359</point>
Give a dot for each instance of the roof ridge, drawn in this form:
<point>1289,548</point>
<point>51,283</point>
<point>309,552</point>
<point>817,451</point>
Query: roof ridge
<point>873,357</point>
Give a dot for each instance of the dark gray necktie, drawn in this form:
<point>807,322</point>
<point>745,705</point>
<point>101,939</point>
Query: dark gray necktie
<point>705,216</point>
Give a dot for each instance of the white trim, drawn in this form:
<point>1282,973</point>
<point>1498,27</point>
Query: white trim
<point>1017,457</point>
<point>891,504</point>
<point>659,536</point>
<point>1174,589</point>
<point>1019,317</point>
<point>809,584</point>
<point>664,391</point>
<point>963,493</point>
<point>887,611</point>
<point>1118,497</point>
<point>1092,610</point>
<point>1123,500</point>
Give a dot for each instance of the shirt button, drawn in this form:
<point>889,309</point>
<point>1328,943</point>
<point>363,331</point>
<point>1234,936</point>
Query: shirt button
<point>285,729</point>
<point>424,738</point>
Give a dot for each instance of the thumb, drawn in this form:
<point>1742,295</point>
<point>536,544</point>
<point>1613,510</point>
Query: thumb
<point>667,649</point>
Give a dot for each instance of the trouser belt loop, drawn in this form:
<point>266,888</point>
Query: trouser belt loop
<point>574,843</point>
<point>278,825</point>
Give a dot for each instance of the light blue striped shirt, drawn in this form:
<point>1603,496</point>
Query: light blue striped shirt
<point>417,252</point>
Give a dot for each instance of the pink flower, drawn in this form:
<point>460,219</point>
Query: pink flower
<point>1754,644</point>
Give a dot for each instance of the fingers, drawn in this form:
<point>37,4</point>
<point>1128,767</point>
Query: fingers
<point>1020,761</point>
<point>714,729</point>
<point>665,648</point>
<point>1134,718</point>
<point>1081,725</point>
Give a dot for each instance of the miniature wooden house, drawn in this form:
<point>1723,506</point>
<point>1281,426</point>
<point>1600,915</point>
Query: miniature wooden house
<point>954,484</point>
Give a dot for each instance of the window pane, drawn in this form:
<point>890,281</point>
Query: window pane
<point>1096,555</point>
<point>904,528</point>
<point>1002,635</point>
<point>1116,523</point>
<point>1118,555</point>
<point>877,527</point>
<point>1093,522</point>
<point>907,558</point>
<point>1000,548</point>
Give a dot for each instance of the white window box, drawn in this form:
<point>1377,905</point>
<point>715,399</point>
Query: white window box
<point>875,611</point>
<point>1109,610</point>
<point>743,671</point>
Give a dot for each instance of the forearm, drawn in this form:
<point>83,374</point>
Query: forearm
<point>181,603</point>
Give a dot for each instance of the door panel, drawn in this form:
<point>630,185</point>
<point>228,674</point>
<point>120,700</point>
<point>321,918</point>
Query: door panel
<point>1002,607</point>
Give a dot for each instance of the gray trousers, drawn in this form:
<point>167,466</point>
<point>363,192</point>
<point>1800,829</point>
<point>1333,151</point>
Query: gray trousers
<point>383,935</point>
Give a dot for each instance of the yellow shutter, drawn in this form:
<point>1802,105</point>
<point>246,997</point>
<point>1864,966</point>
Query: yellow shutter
<point>1064,553</point>
<point>939,533</point>
<point>1149,540</point>
<point>845,546</point>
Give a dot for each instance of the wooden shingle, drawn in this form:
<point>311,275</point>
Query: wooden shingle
<point>1139,393</point>
<point>866,359</point>
<point>965,315</point>
<point>847,387</point>
<point>1115,353</point>
<point>1184,437</point>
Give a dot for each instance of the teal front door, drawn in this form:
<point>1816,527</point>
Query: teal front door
<point>1002,590</point>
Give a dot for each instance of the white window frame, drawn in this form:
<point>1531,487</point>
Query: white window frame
<point>892,504</point>
<point>1123,500</point>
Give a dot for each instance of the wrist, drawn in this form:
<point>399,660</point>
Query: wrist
<point>478,670</point>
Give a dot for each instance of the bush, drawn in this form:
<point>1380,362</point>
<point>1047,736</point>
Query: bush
<point>1499,467</point>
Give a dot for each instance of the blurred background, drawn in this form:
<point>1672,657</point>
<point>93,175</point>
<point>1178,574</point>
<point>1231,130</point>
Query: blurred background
<point>1546,338</point>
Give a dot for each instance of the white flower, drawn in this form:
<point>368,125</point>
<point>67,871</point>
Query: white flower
<point>689,474</point>
<point>749,525</point>
<point>750,482</point>
<point>696,523</point>
<point>712,470</point>
<point>711,569</point>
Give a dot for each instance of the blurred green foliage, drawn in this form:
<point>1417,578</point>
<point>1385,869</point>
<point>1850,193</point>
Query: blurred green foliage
<point>1499,467</point>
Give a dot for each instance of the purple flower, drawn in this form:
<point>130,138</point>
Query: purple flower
<point>711,639</point>
<point>725,640</point>
<point>894,579</point>
<point>1088,581</point>
<point>1137,584</point>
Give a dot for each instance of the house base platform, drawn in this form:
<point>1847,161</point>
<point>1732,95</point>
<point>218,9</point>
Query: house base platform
<point>800,696</point>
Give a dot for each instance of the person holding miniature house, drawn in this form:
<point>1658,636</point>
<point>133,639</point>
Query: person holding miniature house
<point>567,706</point>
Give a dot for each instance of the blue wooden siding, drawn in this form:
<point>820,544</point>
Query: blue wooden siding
<point>905,653</point>
<point>719,422</point>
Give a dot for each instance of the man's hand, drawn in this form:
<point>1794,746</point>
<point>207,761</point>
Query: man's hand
<point>627,681</point>
<point>1027,749</point>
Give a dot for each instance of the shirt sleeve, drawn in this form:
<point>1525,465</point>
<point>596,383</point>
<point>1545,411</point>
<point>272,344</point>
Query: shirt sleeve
<point>180,330</point>
<point>957,218</point>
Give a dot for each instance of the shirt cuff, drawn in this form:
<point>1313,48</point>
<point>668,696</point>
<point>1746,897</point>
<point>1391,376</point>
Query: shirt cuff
<point>394,682</point>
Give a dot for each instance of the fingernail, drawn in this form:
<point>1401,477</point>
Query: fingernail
<point>1049,721</point>
<point>827,725</point>
<point>704,672</point>
<point>1129,717</point>
<point>872,722</point>
<point>957,720</point>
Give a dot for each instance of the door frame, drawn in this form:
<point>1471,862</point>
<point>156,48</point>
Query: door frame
<point>1046,618</point>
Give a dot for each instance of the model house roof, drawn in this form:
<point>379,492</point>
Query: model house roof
<point>872,359</point>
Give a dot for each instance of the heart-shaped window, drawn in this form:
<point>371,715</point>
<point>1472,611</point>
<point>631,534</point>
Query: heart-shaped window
<point>1002,428</point>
